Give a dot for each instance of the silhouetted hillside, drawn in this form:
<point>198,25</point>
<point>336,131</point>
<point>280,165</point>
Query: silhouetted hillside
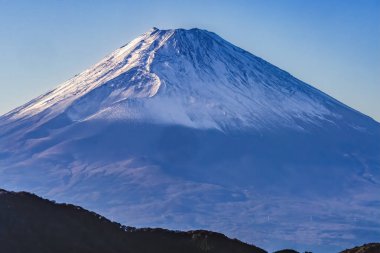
<point>286,251</point>
<point>366,248</point>
<point>31,224</point>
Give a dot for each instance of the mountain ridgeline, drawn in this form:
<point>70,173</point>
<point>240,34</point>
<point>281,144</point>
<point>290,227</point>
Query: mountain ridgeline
<point>181,129</point>
<point>35,225</point>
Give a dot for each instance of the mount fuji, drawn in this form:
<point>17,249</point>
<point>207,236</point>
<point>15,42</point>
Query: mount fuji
<point>183,130</point>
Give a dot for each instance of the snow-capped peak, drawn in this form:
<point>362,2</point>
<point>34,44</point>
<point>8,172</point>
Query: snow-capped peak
<point>187,77</point>
<point>137,137</point>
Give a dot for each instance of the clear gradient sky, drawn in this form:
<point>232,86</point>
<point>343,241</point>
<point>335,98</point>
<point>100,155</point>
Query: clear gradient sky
<point>333,45</point>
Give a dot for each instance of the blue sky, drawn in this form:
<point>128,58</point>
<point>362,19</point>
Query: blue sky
<point>333,45</point>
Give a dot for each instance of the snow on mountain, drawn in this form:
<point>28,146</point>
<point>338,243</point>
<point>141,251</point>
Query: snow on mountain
<point>192,78</point>
<point>179,128</point>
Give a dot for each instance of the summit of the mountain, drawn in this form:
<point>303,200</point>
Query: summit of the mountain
<point>192,78</point>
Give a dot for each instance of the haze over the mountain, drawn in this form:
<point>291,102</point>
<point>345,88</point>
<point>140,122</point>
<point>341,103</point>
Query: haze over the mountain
<point>181,129</point>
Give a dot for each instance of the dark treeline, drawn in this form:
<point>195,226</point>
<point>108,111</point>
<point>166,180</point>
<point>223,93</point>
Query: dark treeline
<point>31,224</point>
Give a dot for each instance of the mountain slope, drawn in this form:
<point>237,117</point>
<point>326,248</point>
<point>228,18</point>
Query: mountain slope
<point>31,224</point>
<point>181,129</point>
<point>194,78</point>
<point>366,248</point>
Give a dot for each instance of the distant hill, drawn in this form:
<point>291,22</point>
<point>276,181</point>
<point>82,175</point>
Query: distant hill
<point>286,251</point>
<point>366,248</point>
<point>31,224</point>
